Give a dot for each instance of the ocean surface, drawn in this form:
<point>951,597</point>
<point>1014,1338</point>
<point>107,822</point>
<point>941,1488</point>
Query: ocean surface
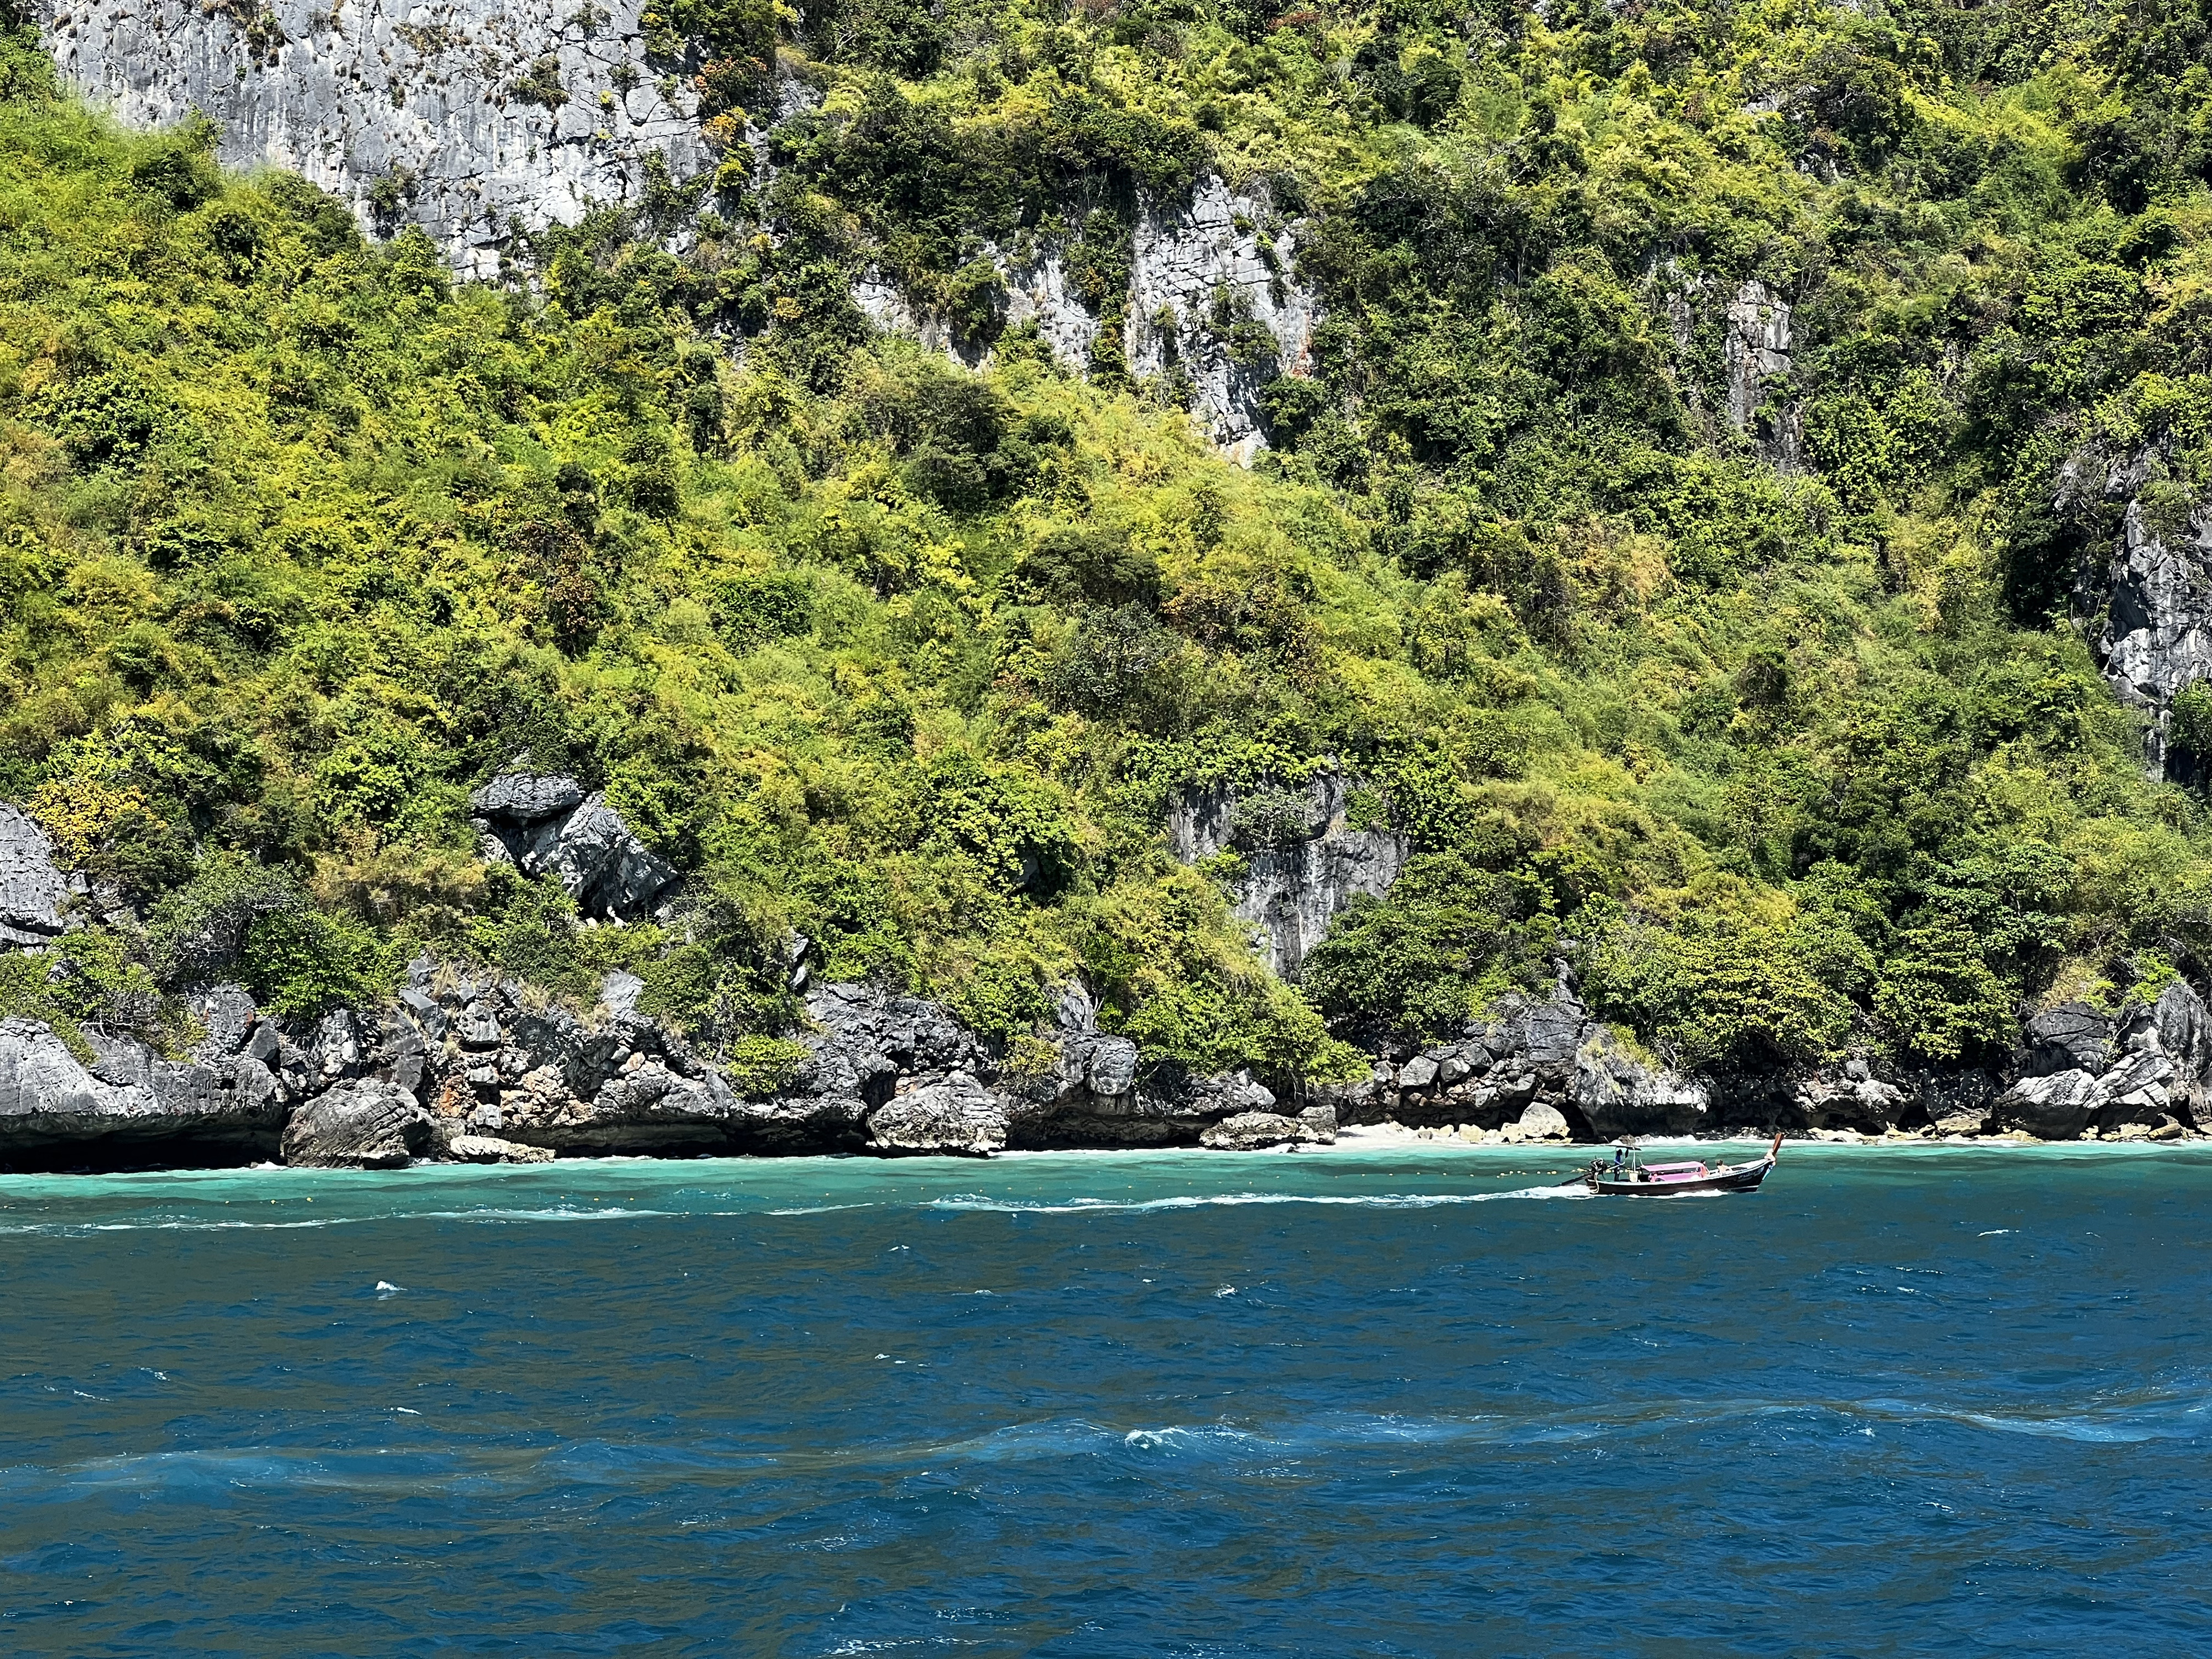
<point>1397,1400</point>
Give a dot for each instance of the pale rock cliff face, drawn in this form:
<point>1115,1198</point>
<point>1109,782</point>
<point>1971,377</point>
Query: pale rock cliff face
<point>1198,269</point>
<point>450,107</point>
<point>1756,356</point>
<point>2156,638</point>
<point>1758,346</point>
<point>32,890</point>
<point>1302,862</point>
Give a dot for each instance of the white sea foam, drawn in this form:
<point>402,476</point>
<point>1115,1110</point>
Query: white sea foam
<point>1195,1201</point>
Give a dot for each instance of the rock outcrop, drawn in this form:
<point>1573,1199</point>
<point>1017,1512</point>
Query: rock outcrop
<point>2155,637</point>
<point>1253,1131</point>
<point>1302,862</point>
<point>958,1117</point>
<point>1548,1068</point>
<point>470,1066</point>
<point>466,117</point>
<point>1212,299</point>
<point>126,1106</point>
<point>33,891</point>
<point>547,824</point>
<point>364,1123</point>
<point>1758,348</point>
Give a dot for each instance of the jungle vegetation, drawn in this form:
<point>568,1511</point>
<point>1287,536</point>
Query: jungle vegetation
<point>1786,737</point>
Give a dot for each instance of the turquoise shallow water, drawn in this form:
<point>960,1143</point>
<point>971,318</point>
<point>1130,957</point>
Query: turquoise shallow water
<point>1386,1401</point>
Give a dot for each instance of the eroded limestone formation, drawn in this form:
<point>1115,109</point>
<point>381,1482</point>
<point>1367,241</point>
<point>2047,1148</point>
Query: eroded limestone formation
<point>464,117</point>
<point>1302,860</point>
<point>2149,603</point>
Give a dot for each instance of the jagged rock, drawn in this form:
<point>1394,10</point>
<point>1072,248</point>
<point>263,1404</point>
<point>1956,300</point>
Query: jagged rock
<point>1616,1094</point>
<point>1251,1132</point>
<point>958,1117</point>
<point>1418,1073</point>
<point>604,867</point>
<point>32,889</point>
<point>1112,1068</point>
<point>527,797</point>
<point>1190,260</point>
<point>2135,1090</point>
<point>2056,1107</point>
<point>463,120</point>
<point>228,1013</point>
<point>1759,348</point>
<point>488,1149</point>
<point>619,991</point>
<point>128,1105</point>
<point>2156,599</point>
<point>547,824</point>
<point>2072,1036</point>
<point>361,1124</point>
<point>2185,1032</point>
<point>1300,869</point>
<point>1321,1122</point>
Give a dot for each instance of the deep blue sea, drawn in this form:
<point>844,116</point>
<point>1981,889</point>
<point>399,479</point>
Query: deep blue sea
<point>1379,1401</point>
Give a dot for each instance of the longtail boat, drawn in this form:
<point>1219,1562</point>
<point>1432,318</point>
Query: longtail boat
<point>1625,1175</point>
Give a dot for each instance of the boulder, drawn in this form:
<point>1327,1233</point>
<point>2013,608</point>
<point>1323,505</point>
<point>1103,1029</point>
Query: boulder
<point>488,1149</point>
<point>1962,1118</point>
<point>363,1123</point>
<point>1542,1123</point>
<point>1252,1132</point>
<point>2058,1107</point>
<point>958,1117</point>
<point>527,797</point>
<point>1418,1073</point>
<point>31,889</point>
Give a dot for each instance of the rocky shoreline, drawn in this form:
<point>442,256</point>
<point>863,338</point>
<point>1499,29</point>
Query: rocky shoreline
<point>459,1065</point>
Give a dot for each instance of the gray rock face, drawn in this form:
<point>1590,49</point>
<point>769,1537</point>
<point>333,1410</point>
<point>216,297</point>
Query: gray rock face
<point>1252,1132</point>
<point>1218,266</point>
<point>488,1149</point>
<point>363,1124</point>
<point>2058,1107</point>
<point>1616,1094</point>
<point>958,1117</point>
<point>130,1104</point>
<point>460,116</point>
<point>1758,348</point>
<point>32,890</point>
<point>2070,1037</point>
<point>1304,864</point>
<point>2156,638</point>
<point>547,824</point>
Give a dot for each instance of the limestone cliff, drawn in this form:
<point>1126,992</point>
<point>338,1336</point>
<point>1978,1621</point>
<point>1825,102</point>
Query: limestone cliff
<point>1302,860</point>
<point>2146,598</point>
<point>1213,297</point>
<point>466,117</point>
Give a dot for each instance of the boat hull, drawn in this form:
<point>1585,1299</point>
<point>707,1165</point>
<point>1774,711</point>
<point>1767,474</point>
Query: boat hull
<point>1745,1180</point>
